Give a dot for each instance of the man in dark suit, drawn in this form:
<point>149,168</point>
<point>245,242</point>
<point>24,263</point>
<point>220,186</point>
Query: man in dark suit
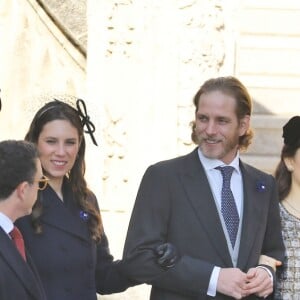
<point>184,201</point>
<point>20,176</point>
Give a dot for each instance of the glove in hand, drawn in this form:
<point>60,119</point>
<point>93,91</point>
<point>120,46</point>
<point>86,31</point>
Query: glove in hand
<point>167,255</point>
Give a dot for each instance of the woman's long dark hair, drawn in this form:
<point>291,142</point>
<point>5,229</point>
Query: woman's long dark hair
<point>282,174</point>
<point>58,110</point>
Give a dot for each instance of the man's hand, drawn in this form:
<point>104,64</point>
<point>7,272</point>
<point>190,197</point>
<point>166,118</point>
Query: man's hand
<point>259,282</point>
<point>231,282</point>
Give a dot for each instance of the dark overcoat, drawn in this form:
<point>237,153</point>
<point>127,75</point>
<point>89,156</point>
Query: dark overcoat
<point>18,279</point>
<point>71,265</point>
<point>175,204</point>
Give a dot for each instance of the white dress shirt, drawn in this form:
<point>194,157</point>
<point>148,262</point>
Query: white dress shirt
<point>6,223</point>
<point>215,180</point>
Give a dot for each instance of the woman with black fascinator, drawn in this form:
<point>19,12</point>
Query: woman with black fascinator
<point>287,175</point>
<point>64,234</point>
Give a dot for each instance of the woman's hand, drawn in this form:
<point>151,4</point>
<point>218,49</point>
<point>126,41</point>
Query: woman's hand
<point>167,255</point>
<point>269,261</point>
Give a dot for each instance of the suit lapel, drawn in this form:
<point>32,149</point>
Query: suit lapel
<point>251,215</point>
<point>201,199</point>
<point>19,267</point>
<point>57,214</point>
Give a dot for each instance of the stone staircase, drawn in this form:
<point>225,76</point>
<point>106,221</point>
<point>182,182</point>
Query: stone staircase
<point>267,62</point>
<point>264,152</point>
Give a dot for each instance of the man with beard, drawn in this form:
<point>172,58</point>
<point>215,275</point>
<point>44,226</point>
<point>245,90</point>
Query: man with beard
<point>219,212</point>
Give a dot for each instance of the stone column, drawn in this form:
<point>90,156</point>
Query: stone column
<point>132,75</point>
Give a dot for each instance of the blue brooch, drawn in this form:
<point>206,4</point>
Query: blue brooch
<point>84,215</point>
<point>260,186</point>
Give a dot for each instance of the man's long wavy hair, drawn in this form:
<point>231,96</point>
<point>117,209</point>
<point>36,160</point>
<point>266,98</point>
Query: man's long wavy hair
<point>58,110</point>
<point>230,86</point>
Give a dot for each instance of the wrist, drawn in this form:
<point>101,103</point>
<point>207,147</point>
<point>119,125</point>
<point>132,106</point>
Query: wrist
<point>267,269</point>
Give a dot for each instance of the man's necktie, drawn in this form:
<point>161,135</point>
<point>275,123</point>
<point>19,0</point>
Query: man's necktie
<point>228,205</point>
<point>17,238</point>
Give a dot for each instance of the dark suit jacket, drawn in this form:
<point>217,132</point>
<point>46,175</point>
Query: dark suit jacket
<point>175,204</point>
<point>18,279</point>
<point>70,264</point>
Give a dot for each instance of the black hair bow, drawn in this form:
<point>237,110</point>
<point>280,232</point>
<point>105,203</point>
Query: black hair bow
<point>85,119</point>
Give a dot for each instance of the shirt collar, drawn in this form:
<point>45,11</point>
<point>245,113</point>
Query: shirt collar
<point>6,223</point>
<point>211,163</point>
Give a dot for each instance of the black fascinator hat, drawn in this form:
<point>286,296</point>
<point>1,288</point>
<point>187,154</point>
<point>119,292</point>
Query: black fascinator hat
<point>291,132</point>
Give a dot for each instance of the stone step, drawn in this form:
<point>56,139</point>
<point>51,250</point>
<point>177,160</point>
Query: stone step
<point>264,152</point>
<point>262,162</point>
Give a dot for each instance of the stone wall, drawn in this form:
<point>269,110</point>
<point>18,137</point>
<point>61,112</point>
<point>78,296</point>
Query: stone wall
<point>34,64</point>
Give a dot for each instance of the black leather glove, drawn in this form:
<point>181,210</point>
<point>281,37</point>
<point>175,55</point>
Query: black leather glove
<point>167,255</point>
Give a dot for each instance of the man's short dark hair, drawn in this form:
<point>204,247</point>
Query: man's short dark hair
<point>17,164</point>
